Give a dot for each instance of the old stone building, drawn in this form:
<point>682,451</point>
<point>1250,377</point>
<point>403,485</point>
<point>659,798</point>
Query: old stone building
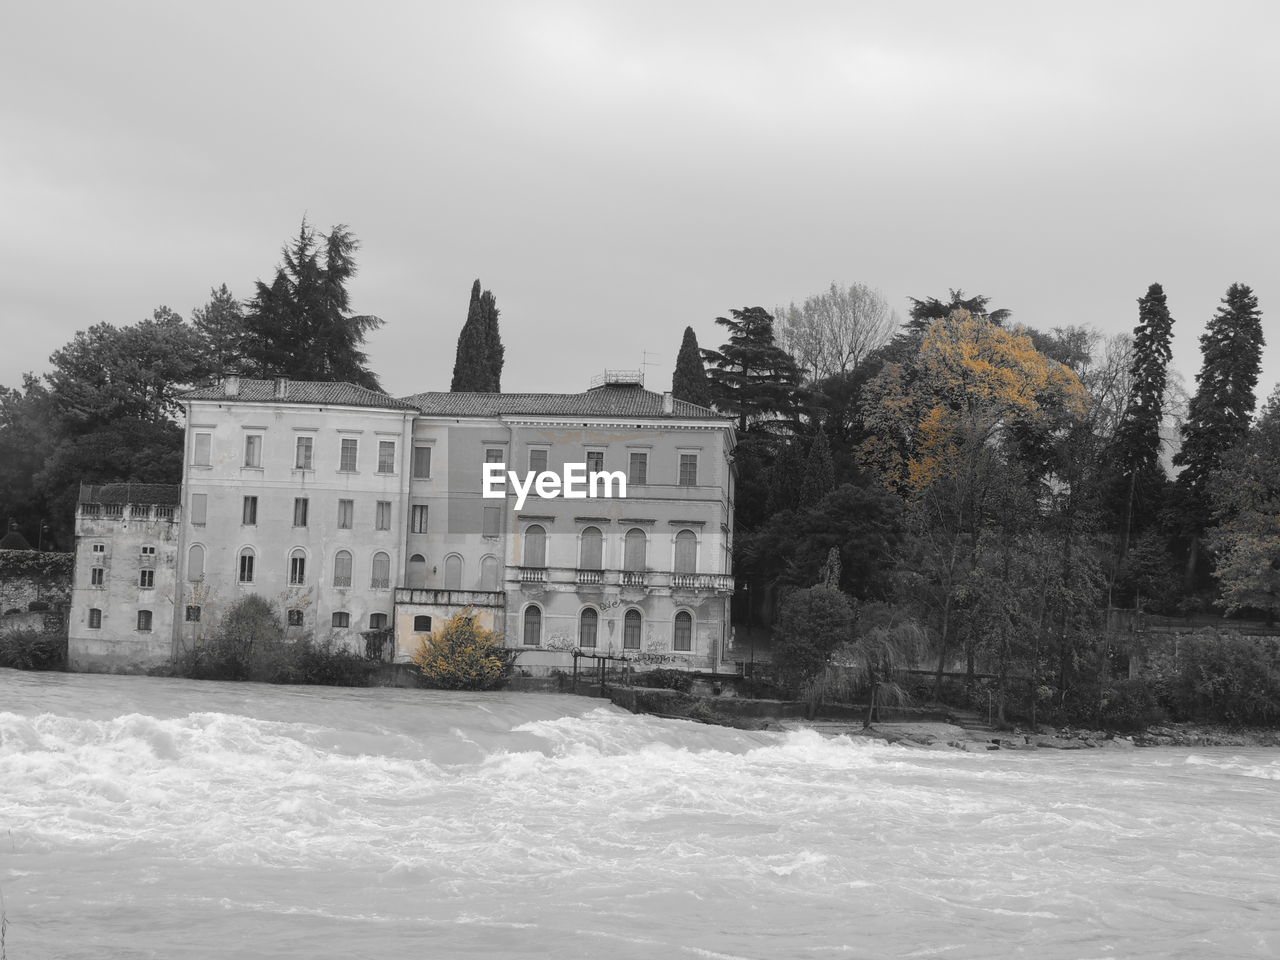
<point>352,511</point>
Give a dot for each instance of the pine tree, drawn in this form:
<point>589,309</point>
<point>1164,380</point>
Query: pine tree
<point>690,379</point>
<point>478,363</point>
<point>751,377</point>
<point>1136,450</point>
<point>1219,413</point>
<point>221,324</point>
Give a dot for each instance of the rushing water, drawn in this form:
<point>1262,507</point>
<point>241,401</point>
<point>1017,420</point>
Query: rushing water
<point>144,817</point>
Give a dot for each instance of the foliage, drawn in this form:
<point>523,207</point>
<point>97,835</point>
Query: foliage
<point>680,680</point>
<point>689,382</point>
<point>813,621</point>
<point>1131,704</point>
<point>833,332</point>
<point>31,649</point>
<point>51,569</point>
<point>464,656</point>
<point>1225,677</point>
<point>480,355</point>
<point>221,325</point>
<point>300,325</point>
<point>752,378</point>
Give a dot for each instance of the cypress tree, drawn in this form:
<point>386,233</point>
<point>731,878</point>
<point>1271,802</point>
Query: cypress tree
<point>1219,413</point>
<point>477,366</point>
<point>819,474</point>
<point>689,381</point>
<point>1136,450</point>
<point>495,353</point>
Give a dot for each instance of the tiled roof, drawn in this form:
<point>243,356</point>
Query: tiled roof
<point>606,401</point>
<point>337,393</point>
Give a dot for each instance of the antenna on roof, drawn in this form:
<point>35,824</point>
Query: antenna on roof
<point>646,362</point>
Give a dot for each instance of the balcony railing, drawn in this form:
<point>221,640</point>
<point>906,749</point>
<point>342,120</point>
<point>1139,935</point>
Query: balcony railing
<point>342,581</point>
<point>533,574</point>
<point>591,576</point>
<point>380,583</point>
<point>113,511</point>
<point>633,578</point>
<point>702,581</point>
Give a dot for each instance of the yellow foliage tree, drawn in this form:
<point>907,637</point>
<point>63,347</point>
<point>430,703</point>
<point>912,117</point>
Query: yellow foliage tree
<point>971,379</point>
<point>463,656</point>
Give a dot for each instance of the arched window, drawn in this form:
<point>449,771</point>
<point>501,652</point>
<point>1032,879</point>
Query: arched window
<point>489,574</point>
<point>247,557</point>
<point>342,568</point>
<point>532,625</point>
<point>591,549</point>
<point>634,557</point>
<point>380,578</point>
<point>683,637</point>
<point>421,624</point>
<point>298,566</point>
<point>195,563</point>
<point>686,552</point>
<point>453,572</point>
<point>535,546</point>
<point>631,630</point>
<point>418,572</point>
<point>588,623</point>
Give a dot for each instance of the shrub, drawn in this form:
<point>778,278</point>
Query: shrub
<point>464,656</point>
<point>1131,705</point>
<point>811,624</point>
<point>1225,677</point>
<point>32,650</point>
<point>665,679</point>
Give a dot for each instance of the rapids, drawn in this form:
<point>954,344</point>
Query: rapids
<point>144,817</point>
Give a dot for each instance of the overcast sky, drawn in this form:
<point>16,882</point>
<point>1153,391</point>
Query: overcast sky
<point>617,172</point>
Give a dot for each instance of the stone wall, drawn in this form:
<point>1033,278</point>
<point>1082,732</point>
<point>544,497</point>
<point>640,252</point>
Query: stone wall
<point>35,589</point>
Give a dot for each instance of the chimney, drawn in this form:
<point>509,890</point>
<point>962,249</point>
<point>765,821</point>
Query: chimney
<point>231,386</point>
<point>668,403</point>
<point>282,388</point>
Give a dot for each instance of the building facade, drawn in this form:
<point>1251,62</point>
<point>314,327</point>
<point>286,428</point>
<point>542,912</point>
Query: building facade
<point>353,512</point>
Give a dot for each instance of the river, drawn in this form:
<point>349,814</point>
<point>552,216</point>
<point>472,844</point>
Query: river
<point>145,817</point>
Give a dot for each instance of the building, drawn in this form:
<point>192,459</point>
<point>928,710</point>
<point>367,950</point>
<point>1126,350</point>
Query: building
<point>363,516</point>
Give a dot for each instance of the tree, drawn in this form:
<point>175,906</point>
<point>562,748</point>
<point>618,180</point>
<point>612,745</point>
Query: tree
<point>477,365</point>
<point>1218,417</point>
<point>221,324</point>
<point>831,333</point>
<point>924,312</point>
<point>752,378</point>
<point>819,477</point>
<point>689,382</point>
<point>26,440</point>
<point>300,325</point>
<point>812,623</point>
<point>885,641</point>
<point>1136,450</point>
<point>463,656</point>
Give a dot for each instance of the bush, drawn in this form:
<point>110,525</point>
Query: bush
<point>811,624</point>
<point>1225,677</point>
<point>1131,705</point>
<point>665,679</point>
<point>463,656</point>
<point>32,650</point>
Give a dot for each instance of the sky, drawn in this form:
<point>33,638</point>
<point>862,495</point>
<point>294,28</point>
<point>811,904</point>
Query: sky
<point>616,172</point>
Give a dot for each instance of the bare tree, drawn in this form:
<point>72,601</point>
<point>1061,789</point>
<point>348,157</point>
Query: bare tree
<point>833,332</point>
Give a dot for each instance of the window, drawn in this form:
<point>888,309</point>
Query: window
<point>193,613</point>
<point>146,579</point>
<point>195,563</point>
<point>147,553</point>
<point>631,630</point>
<point>347,457</point>
<point>489,573</point>
<point>253,450</point>
<point>417,572</point>
<point>298,567</point>
<point>342,569</point>
<point>300,511</point>
<point>532,626</point>
<point>418,518</point>
<point>302,456</point>
<point>341,620</point>
<point>688,469</point>
<point>421,624</point>
<point>144,621</point>
<point>494,455</point>
<point>492,521</point>
<point>588,623</point>
<point>381,577</point>
<point>453,572</point>
<point>538,460</point>
<point>382,515</point>
<point>249,512</point>
<point>295,618</point>
<point>591,549</point>
<point>683,637</point>
<point>95,618</point>
<point>634,557</point>
<point>686,552</point>
<point>535,546</point>
<point>99,548</point>
<point>199,507</point>
<point>595,462</point>
<point>386,456</point>
<point>97,576</point>
<point>639,472</point>
<point>377,621</point>
<point>421,463</point>
<point>346,514</point>
<point>246,565</point>
<point>200,449</point>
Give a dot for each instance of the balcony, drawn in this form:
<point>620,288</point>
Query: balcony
<point>716,582</point>
<point>633,578</point>
<point>533,574</point>
<point>591,577</point>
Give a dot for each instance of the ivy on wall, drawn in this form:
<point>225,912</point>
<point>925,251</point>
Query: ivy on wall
<point>50,569</point>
